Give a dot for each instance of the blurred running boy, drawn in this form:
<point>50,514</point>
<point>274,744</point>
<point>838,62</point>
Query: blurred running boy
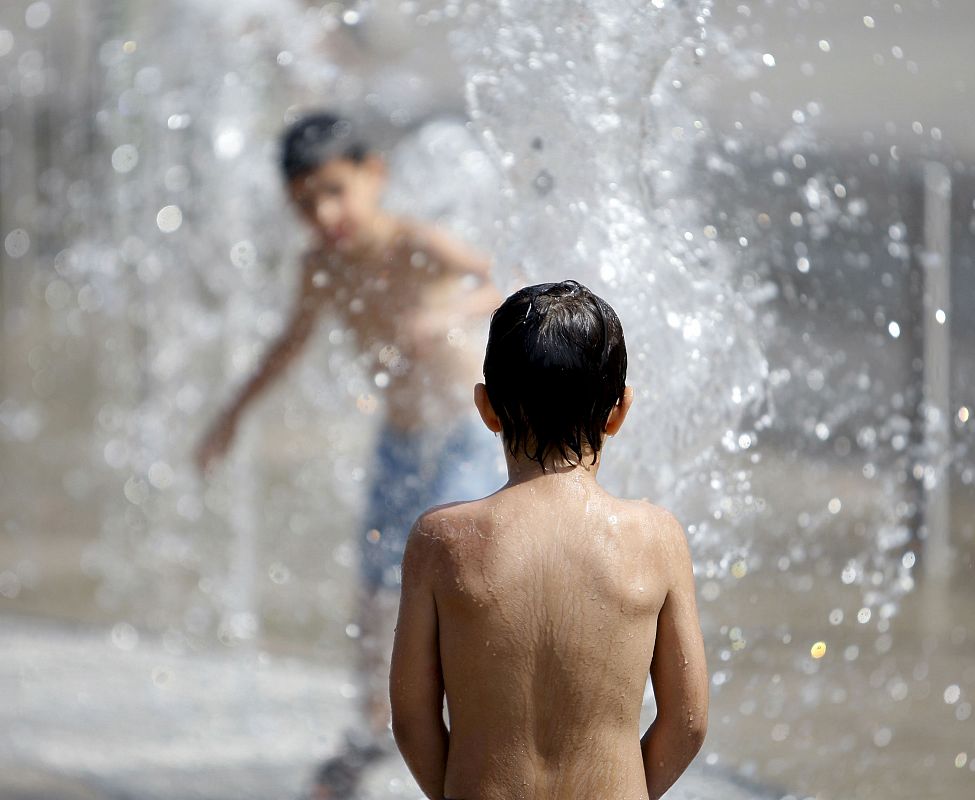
<point>417,303</point>
<point>540,610</point>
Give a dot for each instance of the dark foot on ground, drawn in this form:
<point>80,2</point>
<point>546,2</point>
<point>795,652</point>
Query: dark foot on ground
<point>339,777</point>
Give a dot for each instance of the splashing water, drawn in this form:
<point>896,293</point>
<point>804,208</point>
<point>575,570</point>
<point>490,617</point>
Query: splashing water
<point>589,116</point>
<point>574,105</point>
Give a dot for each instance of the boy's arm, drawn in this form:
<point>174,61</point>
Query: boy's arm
<point>416,689</point>
<point>288,345</point>
<point>679,676</point>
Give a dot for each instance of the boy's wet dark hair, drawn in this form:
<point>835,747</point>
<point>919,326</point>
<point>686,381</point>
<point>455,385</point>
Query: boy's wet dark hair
<point>312,140</point>
<point>554,369</point>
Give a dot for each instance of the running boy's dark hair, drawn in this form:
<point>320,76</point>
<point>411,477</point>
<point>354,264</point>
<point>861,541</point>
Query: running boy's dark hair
<point>312,140</point>
<point>554,369</point>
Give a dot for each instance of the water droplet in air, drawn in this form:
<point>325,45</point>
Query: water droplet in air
<point>124,636</point>
<point>543,183</point>
<point>243,254</point>
<point>17,243</point>
<point>228,143</point>
<point>124,158</point>
<point>169,219</point>
<point>37,15</point>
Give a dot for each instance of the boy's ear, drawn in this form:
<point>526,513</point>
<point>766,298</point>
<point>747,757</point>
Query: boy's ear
<point>485,409</point>
<point>618,413</point>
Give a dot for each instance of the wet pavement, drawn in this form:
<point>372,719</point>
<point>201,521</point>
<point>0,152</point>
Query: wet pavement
<point>101,713</point>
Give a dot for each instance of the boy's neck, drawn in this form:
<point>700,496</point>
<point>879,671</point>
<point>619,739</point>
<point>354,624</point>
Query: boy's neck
<point>556,470</point>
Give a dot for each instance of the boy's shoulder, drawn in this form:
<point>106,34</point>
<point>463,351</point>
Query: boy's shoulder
<point>445,522</point>
<point>419,235</point>
<point>441,532</point>
<point>655,515</point>
<point>665,537</point>
<point>431,245</point>
<point>650,520</point>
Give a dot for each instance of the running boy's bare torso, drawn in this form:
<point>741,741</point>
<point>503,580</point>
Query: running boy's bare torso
<point>547,599</point>
<point>419,310</point>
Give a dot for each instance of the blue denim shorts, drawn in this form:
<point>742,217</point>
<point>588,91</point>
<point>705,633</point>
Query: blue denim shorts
<point>414,470</point>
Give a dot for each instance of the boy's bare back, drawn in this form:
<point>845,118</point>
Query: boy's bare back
<point>547,598</point>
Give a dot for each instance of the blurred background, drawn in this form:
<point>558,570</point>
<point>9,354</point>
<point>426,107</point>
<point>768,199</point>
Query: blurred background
<point>777,195</point>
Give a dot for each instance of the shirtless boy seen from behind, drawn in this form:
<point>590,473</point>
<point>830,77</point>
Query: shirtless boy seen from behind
<point>540,610</point>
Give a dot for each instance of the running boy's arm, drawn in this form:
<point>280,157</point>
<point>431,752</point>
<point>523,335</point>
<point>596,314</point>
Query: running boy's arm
<point>679,676</point>
<point>278,357</point>
<point>416,689</point>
